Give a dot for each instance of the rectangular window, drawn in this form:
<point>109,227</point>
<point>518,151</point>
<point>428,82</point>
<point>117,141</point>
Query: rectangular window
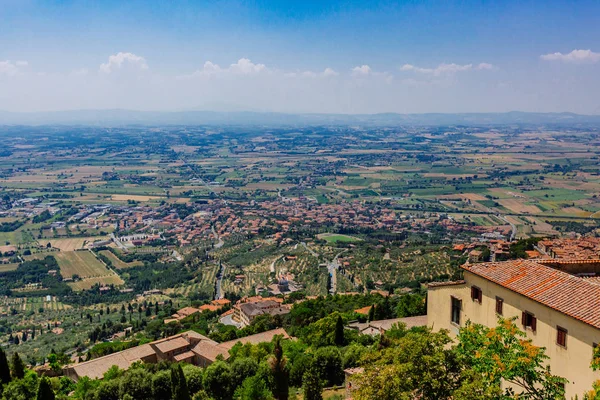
<point>529,321</point>
<point>456,307</point>
<point>499,306</point>
<point>561,336</point>
<point>476,294</point>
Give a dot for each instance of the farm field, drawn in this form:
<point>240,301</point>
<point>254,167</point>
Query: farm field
<point>70,244</point>
<point>87,283</point>
<point>117,262</point>
<point>82,263</point>
<point>333,238</point>
<point>8,267</point>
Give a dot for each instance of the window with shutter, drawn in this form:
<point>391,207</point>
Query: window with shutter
<point>499,305</point>
<point>529,321</point>
<point>476,294</point>
<point>561,336</point>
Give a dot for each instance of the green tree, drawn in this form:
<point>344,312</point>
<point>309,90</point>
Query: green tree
<point>352,355</point>
<point>312,386</point>
<point>323,332</point>
<point>22,389</point>
<point>371,316</point>
<point>137,383</point>
<point>339,332</point>
<point>108,390</point>
<point>279,370</point>
<point>328,361</point>
<point>218,381</point>
<point>4,369</point>
<point>178,384</point>
<point>161,385</point>
<point>503,353</point>
<point>416,365</point>
<point>18,367</point>
<point>253,388</point>
<point>45,391</point>
<point>410,305</point>
<point>243,368</point>
<point>193,377</point>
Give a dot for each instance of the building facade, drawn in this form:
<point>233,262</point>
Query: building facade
<point>556,303</point>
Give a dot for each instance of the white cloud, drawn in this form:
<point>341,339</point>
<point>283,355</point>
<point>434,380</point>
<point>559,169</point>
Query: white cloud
<point>117,61</point>
<point>211,68</point>
<point>363,70</point>
<point>327,72</point>
<point>576,56</point>
<point>244,66</point>
<point>446,69</point>
<point>11,68</point>
<point>330,72</point>
<point>485,66</point>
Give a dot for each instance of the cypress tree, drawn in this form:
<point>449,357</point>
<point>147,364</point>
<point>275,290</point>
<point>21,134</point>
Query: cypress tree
<point>311,384</point>
<point>179,385</point>
<point>339,331</point>
<point>4,368</point>
<point>277,363</point>
<point>45,391</point>
<point>18,368</point>
<point>372,313</point>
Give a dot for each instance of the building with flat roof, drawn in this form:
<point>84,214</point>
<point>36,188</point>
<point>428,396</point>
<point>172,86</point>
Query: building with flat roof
<point>556,302</point>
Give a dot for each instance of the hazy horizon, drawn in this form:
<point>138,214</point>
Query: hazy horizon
<point>332,57</point>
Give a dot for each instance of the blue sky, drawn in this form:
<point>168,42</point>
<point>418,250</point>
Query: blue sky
<point>309,56</point>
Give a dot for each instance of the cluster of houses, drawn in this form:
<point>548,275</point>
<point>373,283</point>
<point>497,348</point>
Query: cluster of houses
<point>583,248</point>
<point>243,312</point>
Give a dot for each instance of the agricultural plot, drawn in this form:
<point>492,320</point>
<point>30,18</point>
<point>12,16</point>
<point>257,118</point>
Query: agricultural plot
<point>117,262</point>
<point>81,263</point>
<point>334,238</point>
<point>84,284</point>
<point>8,267</point>
<point>90,270</point>
<point>71,244</point>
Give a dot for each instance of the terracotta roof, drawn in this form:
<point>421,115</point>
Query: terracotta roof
<point>568,294</point>
<point>97,367</point>
<point>448,283</point>
<point>258,338</point>
<point>364,310</point>
<point>171,344</point>
<point>184,312</point>
<point>210,350</point>
<point>183,356</point>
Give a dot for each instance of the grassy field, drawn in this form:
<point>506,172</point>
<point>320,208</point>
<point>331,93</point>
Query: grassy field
<point>70,244</point>
<point>87,283</point>
<point>82,263</point>
<point>8,267</point>
<point>333,238</point>
<point>117,262</point>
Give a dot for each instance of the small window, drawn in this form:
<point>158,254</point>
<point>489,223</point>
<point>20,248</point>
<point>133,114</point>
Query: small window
<point>529,321</point>
<point>561,336</point>
<point>476,294</point>
<point>499,306</point>
<point>456,307</point>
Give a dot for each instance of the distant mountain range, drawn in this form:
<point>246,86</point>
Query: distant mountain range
<point>127,117</point>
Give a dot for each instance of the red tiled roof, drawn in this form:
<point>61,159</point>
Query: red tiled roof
<point>568,294</point>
